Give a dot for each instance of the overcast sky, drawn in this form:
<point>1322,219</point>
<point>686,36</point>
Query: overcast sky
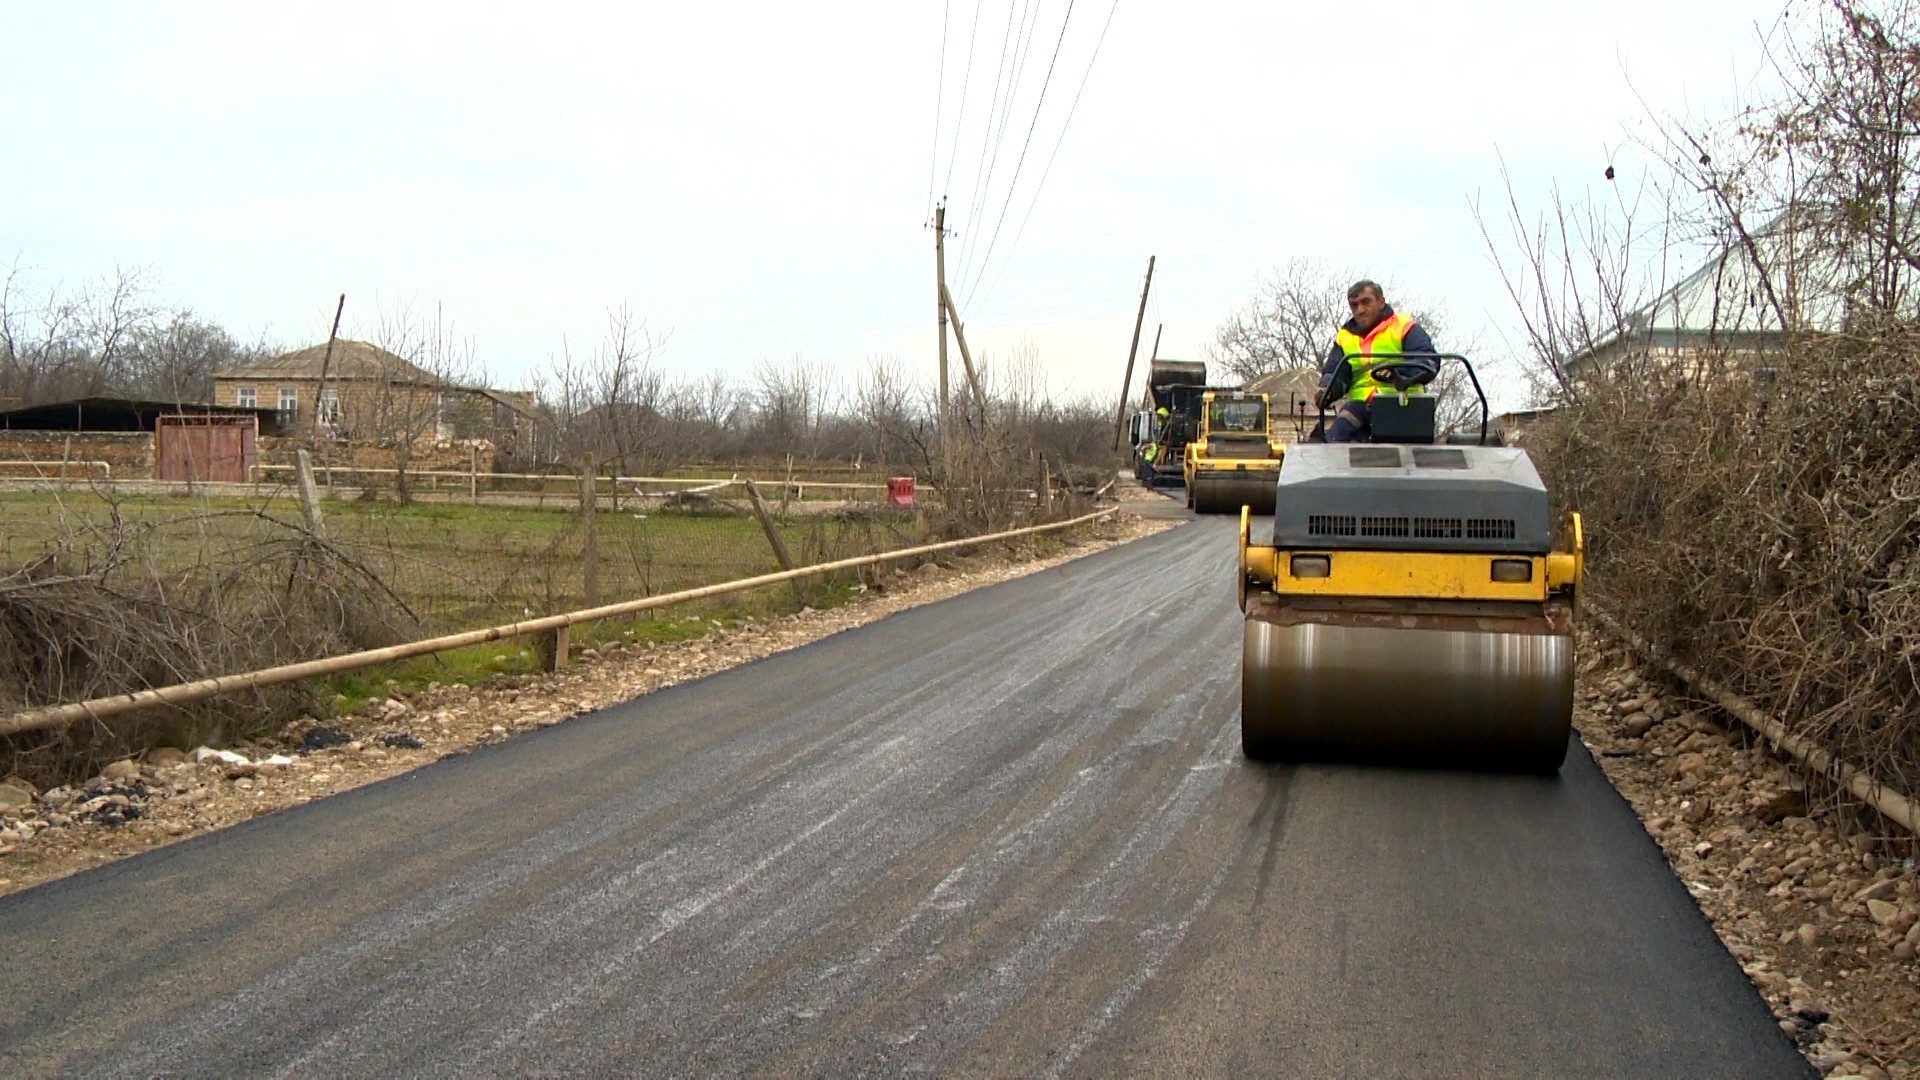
<point>754,180</point>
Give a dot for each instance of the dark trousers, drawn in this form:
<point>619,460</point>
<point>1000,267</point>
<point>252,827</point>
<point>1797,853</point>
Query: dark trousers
<point>1353,423</point>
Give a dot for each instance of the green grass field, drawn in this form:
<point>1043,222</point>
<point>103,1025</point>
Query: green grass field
<point>457,566</point>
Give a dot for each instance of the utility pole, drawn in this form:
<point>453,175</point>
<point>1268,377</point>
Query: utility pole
<point>940,301</point>
<point>966,358</point>
<point>326,362</point>
<point>1120,421</point>
<point>1156,342</point>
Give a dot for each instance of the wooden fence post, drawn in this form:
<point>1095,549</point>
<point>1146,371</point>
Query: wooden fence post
<point>774,538</point>
<point>309,495</point>
<point>590,548</point>
<point>551,648</point>
<point>473,476</point>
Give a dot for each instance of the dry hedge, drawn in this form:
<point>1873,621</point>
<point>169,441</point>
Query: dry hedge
<point>100,614</point>
<point>1764,524</point>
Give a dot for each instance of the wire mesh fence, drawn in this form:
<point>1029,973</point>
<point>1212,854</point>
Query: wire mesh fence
<point>106,589</point>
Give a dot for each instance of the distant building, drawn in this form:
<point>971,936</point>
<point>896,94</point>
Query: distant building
<point>365,394</point>
<point>1722,311</point>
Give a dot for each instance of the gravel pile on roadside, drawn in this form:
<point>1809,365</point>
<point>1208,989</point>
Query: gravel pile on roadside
<point>1818,900</point>
<point>170,794</point>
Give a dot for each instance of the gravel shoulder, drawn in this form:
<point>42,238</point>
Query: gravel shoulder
<point>1817,898</point>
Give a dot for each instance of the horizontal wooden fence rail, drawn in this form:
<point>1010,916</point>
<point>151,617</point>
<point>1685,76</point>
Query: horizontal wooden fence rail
<point>554,649</point>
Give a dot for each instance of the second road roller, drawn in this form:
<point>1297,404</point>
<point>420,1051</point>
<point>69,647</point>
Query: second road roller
<point>1415,603</point>
<point>1233,459</point>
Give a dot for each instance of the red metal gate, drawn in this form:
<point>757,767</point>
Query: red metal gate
<point>204,449</point>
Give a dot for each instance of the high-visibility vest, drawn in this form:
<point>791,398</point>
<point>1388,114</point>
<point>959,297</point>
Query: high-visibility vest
<point>1387,336</point>
<point>1152,451</point>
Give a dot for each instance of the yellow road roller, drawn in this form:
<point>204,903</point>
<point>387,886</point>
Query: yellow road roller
<point>1413,603</point>
<point>1233,460</point>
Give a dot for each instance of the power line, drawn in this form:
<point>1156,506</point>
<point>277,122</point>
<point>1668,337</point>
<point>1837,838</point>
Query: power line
<point>966,80</point>
<point>1048,171</point>
<point>939,91</point>
<point>986,135</point>
<point>1018,69</point>
<point>1039,103</point>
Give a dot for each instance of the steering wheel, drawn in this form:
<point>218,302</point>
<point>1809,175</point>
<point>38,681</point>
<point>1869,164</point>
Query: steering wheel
<point>1401,376</point>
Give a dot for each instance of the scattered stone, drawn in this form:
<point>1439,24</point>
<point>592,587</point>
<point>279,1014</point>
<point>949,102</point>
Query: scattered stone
<point>121,771</point>
<point>401,740</point>
<point>1703,849</point>
<point>1879,890</point>
<point>1638,724</point>
<point>275,761</point>
<point>322,738</point>
<point>1883,913</point>
<point>166,757</point>
<point>1696,811</point>
<point>1690,763</point>
<point>206,754</point>
<point>1784,805</point>
<point>393,709</point>
<point>14,798</point>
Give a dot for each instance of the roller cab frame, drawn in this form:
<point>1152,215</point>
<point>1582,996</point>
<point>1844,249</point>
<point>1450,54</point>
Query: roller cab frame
<point>1413,604</point>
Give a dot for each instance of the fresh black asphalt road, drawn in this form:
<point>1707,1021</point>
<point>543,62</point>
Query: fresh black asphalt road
<point>1006,834</point>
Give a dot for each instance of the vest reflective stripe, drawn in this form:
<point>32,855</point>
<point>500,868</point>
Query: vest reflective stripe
<point>1388,336</point>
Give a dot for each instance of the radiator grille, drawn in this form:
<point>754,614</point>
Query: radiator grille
<point>1383,526</point>
<point>1490,528</point>
<point>1331,525</point>
<point>1426,528</point>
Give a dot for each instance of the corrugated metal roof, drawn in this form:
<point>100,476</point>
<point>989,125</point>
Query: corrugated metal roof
<point>119,414</point>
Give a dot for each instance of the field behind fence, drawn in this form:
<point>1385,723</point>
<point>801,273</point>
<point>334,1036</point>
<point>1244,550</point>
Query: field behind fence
<point>102,592</point>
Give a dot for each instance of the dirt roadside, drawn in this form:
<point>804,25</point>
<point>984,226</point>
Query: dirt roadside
<point>1816,897</point>
<point>169,795</point>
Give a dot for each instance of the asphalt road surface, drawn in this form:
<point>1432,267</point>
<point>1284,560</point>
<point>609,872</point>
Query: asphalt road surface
<point>1007,834</point>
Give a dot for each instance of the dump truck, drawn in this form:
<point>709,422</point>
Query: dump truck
<point>1412,602</point>
<point>1233,460</point>
<point>1160,438</point>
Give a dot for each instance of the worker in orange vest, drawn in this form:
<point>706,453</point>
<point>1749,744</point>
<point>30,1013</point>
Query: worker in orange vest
<point>1348,371</point>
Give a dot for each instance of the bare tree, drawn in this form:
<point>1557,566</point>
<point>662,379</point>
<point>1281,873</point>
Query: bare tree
<point>56,344</point>
<point>611,405</point>
<point>1287,324</point>
<point>414,400</point>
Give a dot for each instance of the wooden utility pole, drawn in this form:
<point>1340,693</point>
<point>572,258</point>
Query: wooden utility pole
<point>309,496</point>
<point>966,359</point>
<point>940,301</point>
<point>326,362</point>
<point>1157,327</point>
<point>1120,421</point>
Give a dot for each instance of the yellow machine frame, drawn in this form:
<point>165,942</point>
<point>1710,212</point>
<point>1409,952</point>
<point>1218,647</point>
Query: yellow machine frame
<point>1402,575</point>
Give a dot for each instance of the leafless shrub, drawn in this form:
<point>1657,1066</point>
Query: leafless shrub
<point>112,608</point>
<point>1745,446</point>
